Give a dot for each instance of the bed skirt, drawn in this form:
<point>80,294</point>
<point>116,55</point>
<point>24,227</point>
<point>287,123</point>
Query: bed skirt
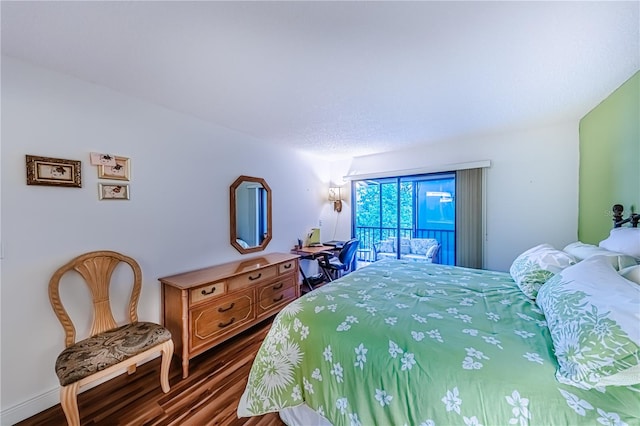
<point>302,415</point>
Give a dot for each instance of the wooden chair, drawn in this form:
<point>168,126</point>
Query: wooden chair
<point>110,347</point>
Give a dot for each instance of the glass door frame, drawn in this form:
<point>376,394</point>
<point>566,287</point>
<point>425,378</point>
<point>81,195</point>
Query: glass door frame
<point>446,237</point>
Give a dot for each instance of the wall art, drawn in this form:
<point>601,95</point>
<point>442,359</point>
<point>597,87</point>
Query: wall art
<point>110,191</point>
<point>120,171</point>
<point>53,171</point>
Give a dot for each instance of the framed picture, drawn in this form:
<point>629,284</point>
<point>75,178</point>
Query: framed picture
<point>53,171</point>
<point>118,172</point>
<point>113,191</point>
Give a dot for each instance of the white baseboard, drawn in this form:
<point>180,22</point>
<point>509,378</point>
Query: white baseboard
<point>29,408</point>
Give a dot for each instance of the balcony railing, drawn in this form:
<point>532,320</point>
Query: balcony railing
<point>369,235</point>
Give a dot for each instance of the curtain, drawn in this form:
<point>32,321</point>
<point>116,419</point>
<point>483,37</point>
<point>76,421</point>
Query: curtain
<point>469,218</point>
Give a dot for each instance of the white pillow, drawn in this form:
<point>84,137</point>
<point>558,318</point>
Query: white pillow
<point>632,273</point>
<point>535,266</point>
<point>623,240</point>
<point>593,316</point>
<point>582,251</point>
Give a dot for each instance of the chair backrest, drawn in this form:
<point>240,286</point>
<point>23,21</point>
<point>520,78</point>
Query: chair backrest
<point>435,255</point>
<point>348,251</point>
<point>96,268</point>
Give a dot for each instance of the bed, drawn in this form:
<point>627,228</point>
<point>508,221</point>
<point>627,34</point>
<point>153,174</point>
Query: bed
<point>406,343</point>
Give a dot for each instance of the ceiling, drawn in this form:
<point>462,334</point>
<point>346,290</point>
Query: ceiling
<point>341,78</point>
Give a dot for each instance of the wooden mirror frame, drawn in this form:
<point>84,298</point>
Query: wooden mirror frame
<point>233,221</point>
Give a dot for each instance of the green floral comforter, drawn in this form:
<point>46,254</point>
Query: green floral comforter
<point>405,343</point>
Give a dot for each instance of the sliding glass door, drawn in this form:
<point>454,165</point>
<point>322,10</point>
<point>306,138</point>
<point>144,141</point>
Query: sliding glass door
<point>394,217</point>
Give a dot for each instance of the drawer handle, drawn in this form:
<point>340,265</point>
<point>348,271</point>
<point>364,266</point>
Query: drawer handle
<point>205,292</point>
<point>255,278</point>
<point>226,324</point>
<point>227,309</point>
<point>277,287</point>
<point>279,298</point>
<point>288,266</point>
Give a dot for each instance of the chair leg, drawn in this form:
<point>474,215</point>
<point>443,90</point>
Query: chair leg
<point>167,354</point>
<point>327,274</point>
<point>69,403</point>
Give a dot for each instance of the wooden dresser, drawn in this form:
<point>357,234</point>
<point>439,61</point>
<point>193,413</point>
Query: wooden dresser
<point>204,307</point>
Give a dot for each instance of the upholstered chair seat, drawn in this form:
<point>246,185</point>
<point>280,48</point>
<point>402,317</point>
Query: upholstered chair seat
<point>103,350</point>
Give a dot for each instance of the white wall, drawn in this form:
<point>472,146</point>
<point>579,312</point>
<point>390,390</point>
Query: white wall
<point>532,184</point>
<point>177,218</point>
<point>337,226</point>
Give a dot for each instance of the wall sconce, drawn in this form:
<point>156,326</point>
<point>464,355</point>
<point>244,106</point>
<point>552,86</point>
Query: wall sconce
<point>335,195</point>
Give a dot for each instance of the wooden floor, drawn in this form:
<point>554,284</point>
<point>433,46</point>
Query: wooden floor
<point>209,396</point>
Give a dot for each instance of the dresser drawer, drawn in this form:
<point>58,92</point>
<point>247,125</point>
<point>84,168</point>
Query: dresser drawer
<point>207,292</point>
<point>287,267</point>
<point>269,290</point>
<point>275,295</point>
<point>252,278</point>
<point>213,320</point>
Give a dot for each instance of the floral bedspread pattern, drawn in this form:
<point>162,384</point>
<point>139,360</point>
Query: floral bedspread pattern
<point>403,343</point>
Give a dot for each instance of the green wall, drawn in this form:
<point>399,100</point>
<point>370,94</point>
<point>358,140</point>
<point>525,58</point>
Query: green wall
<point>609,161</point>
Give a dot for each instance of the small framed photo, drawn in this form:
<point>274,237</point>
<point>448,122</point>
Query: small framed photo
<point>111,191</point>
<point>120,171</point>
<point>53,171</point>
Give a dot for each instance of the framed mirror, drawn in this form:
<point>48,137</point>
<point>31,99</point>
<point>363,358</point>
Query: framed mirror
<point>250,214</point>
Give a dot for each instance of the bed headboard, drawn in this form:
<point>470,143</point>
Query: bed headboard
<point>618,219</point>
